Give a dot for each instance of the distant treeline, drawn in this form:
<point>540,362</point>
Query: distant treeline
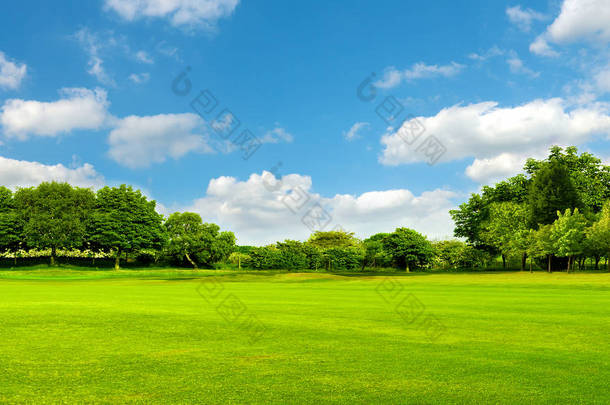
<point>557,216</point>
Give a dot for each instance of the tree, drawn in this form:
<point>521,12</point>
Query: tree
<point>333,239</point>
<point>217,246</point>
<point>408,248</point>
<point>185,236</point>
<point>124,221</point>
<point>10,229</point>
<point>543,244</point>
<point>373,250</point>
<point>506,229</point>
<point>54,215</point>
<point>598,236</point>
<point>333,244</point>
<point>551,191</point>
<point>568,233</point>
<point>590,177</point>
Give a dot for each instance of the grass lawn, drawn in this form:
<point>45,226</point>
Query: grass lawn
<point>151,337</point>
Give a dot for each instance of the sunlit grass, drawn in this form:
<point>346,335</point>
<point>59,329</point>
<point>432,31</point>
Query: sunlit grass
<point>149,336</point>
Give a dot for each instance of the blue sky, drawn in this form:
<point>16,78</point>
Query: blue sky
<point>86,96</point>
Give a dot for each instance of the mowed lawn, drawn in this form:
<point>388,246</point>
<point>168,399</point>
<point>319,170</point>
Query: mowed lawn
<point>150,337</point>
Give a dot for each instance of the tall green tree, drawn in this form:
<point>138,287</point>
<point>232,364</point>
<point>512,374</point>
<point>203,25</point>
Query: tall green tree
<point>408,248</point>
<point>185,235</point>
<point>505,229</point>
<point>54,215</point>
<point>10,228</point>
<point>543,244</point>
<point>124,221</point>
<point>568,233</point>
<point>551,191</point>
<point>590,177</point>
<point>598,236</point>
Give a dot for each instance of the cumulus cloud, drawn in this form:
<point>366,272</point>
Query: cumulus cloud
<point>523,18</point>
<point>353,132</point>
<point>11,72</point>
<point>202,14</point>
<point>578,20</point>
<point>485,131</point>
<point>393,77</point>
<point>77,109</point>
<point>264,208</point>
<point>21,173</point>
<point>138,142</point>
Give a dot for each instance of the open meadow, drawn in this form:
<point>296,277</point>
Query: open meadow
<point>160,336</point>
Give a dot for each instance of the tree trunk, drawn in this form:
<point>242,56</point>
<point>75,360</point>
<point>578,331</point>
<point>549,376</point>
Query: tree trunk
<point>238,262</point>
<point>569,261</point>
<point>504,262</point>
<point>531,271</point>
<point>548,266</point>
<point>53,254</point>
<point>407,268</point>
<point>117,260</point>
<point>597,262</point>
<point>191,261</point>
<point>607,264</point>
<point>523,259</point>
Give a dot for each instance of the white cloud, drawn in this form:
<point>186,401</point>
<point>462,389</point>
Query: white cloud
<point>139,78</point>
<point>255,211</point>
<point>523,18</point>
<point>21,173</point>
<point>353,132</point>
<point>602,80</point>
<point>92,44</point>
<point>486,131</point>
<point>77,109</point>
<point>497,168</point>
<point>541,47</point>
<point>490,53</point>
<point>277,135</point>
<point>516,66</point>
<point>579,20</point>
<point>393,77</point>
<point>201,14</point>
<point>582,20</point>
<point>138,142</point>
<point>11,72</point>
<point>143,57</point>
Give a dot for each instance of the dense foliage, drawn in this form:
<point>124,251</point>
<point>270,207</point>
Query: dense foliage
<point>556,214</point>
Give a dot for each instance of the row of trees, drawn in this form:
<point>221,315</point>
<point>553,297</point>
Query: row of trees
<point>116,220</point>
<point>557,214</point>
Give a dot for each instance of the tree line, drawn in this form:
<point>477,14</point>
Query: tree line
<point>557,215</point>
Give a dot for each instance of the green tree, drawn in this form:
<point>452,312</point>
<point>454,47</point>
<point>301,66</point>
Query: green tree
<point>374,254</point>
<point>505,229</point>
<point>408,248</point>
<point>185,236</point>
<point>551,191</point>
<point>590,177</point>
<point>124,221</point>
<point>217,245</point>
<point>543,244</point>
<point>568,233</point>
<point>598,236</point>
<point>54,215</point>
<point>10,229</point>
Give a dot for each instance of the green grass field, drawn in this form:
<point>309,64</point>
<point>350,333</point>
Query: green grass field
<point>150,337</point>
